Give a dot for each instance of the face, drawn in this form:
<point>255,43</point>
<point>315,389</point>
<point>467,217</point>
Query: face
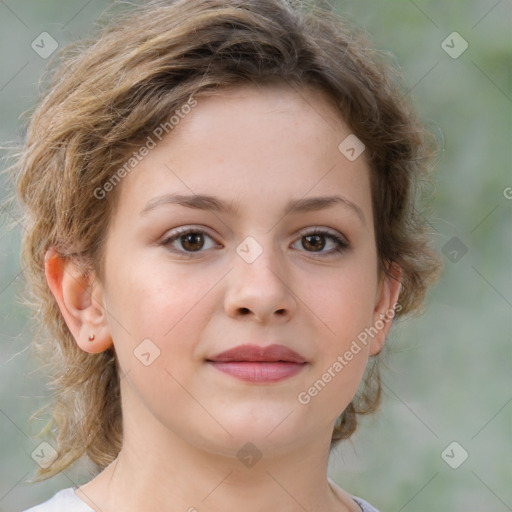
<point>260,261</point>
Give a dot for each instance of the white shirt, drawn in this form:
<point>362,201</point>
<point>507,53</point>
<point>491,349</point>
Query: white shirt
<point>67,501</point>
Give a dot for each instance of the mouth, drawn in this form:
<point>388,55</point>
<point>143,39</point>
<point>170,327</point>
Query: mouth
<point>254,363</point>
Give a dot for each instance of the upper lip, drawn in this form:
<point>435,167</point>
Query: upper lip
<point>270,353</point>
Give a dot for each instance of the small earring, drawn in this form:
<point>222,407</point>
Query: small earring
<point>91,337</point>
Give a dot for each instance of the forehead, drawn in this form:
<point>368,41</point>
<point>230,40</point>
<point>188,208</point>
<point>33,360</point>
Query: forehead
<point>252,145</point>
<point>274,97</point>
<point>248,105</point>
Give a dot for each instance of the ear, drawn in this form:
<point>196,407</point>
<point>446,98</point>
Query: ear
<point>80,299</point>
<point>385,306</point>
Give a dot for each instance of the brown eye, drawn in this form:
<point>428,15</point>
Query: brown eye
<point>186,241</point>
<point>313,242</point>
<point>318,240</point>
<point>192,241</point>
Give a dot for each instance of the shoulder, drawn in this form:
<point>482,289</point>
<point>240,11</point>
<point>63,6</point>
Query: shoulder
<point>348,498</point>
<point>64,501</point>
<point>365,506</point>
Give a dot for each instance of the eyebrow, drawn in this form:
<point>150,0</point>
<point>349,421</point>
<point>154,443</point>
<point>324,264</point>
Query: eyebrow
<point>211,203</point>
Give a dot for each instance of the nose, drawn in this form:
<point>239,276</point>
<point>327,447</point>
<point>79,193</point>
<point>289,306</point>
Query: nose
<point>260,290</point>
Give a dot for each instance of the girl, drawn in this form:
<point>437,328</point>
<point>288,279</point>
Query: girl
<point>220,230</point>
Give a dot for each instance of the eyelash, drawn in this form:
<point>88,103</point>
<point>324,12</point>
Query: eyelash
<point>341,244</point>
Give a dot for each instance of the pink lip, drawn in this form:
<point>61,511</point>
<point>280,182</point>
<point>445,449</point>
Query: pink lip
<point>259,372</point>
<point>254,363</point>
<point>268,354</point>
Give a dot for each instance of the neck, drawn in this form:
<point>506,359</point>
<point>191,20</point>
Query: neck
<point>159,470</point>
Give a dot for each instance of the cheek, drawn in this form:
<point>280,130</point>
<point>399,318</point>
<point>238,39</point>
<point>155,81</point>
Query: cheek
<point>160,317</point>
<point>163,306</point>
<point>344,302</point>
<point>343,308</point>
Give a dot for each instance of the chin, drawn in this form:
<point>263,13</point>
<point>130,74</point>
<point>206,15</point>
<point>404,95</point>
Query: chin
<point>270,434</point>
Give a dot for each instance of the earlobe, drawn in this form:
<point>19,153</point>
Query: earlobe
<point>80,300</point>
<point>385,307</point>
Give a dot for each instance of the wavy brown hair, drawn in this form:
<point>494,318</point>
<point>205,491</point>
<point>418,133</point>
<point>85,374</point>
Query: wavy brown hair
<point>107,94</point>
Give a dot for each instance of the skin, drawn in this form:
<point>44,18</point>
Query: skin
<point>184,421</point>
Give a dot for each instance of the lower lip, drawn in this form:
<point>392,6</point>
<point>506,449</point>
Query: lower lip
<point>259,372</point>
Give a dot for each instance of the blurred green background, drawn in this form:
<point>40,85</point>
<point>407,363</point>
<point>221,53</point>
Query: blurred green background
<point>448,372</point>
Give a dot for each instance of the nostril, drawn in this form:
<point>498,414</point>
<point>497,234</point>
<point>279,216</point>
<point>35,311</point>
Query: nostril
<point>244,311</point>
